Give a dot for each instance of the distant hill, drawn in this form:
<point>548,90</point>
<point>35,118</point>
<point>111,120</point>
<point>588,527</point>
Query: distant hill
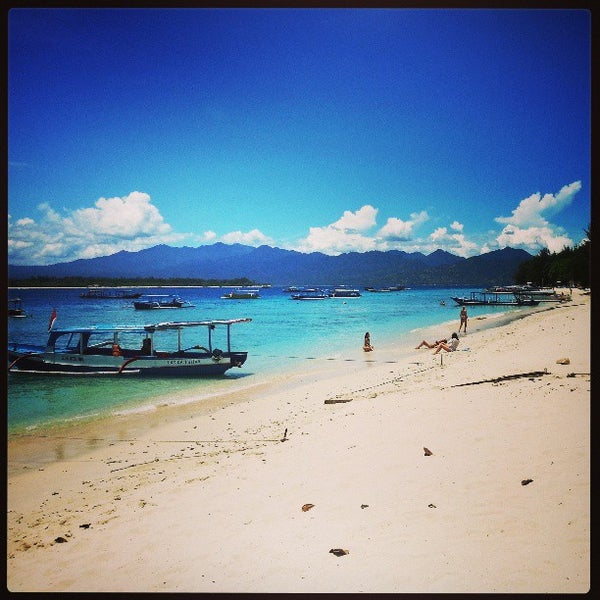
<point>287,267</point>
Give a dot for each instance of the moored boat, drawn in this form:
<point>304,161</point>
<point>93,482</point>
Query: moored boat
<point>15,308</point>
<point>158,301</point>
<point>541,294</point>
<point>392,288</point>
<point>312,294</point>
<point>151,350</point>
<point>344,293</point>
<point>241,295</point>
<point>103,293</point>
<point>494,299</point>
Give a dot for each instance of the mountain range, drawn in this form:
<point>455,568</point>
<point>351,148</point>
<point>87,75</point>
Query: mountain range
<point>276,266</point>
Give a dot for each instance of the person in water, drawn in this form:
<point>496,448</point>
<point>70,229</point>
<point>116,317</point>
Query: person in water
<point>367,343</point>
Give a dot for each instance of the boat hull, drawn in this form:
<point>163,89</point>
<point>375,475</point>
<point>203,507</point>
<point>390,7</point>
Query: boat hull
<point>174,364</point>
<point>491,302</point>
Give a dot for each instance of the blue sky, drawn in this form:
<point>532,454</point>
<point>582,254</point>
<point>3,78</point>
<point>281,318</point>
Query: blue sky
<point>329,130</point>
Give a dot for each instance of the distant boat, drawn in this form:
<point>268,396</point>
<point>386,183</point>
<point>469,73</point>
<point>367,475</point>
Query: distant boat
<point>344,293</point>
<point>393,288</point>
<point>313,294</point>
<point>128,350</point>
<point>495,299</point>
<point>102,293</point>
<point>542,294</point>
<point>15,308</point>
<point>159,301</point>
<point>242,295</point>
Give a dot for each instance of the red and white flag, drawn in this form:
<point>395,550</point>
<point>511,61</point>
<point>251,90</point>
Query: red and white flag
<point>52,319</point>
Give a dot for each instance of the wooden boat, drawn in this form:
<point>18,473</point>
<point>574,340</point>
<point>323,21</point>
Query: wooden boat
<point>102,293</point>
<point>393,288</point>
<point>241,295</point>
<point>541,294</point>
<point>149,350</point>
<point>313,294</point>
<point>15,308</point>
<point>344,293</point>
<point>158,301</point>
<point>495,299</point>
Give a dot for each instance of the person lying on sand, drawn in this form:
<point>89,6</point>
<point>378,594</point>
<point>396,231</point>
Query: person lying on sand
<point>441,344</point>
<point>451,346</point>
<point>432,345</point>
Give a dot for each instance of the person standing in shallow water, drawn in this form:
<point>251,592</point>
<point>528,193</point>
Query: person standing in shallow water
<point>367,343</point>
<point>464,317</point>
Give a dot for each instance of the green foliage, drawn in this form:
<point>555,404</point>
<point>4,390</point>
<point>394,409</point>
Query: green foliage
<point>571,266</point>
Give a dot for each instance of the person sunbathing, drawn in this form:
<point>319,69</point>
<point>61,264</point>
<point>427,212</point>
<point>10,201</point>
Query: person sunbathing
<point>432,345</point>
<point>441,344</point>
<point>451,346</point>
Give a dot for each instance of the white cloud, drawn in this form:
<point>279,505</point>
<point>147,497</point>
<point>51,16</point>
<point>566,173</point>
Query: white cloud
<point>529,212</point>
<point>527,227</point>
<point>533,238</point>
<point>344,235</point>
<point>250,238</point>
<point>361,220</point>
<point>129,223</point>
<point>397,230</point>
<point>130,217</point>
<point>456,243</point>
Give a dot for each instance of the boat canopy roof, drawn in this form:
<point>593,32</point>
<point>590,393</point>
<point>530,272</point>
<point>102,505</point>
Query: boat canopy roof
<point>147,328</point>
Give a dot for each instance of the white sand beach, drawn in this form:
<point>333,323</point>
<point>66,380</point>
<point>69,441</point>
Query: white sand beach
<point>209,497</point>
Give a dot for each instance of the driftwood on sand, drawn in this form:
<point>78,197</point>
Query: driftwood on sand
<point>530,374</point>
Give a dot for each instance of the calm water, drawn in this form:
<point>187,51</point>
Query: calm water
<point>284,334</point>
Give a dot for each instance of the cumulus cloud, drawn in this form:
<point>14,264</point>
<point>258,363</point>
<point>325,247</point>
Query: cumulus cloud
<point>361,220</point>
<point>249,238</point>
<point>456,243</point>
<point>398,230</point>
<point>529,228</point>
<point>130,222</point>
<point>534,238</point>
<point>347,234</point>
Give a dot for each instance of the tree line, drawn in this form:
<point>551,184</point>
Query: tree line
<point>571,266</point>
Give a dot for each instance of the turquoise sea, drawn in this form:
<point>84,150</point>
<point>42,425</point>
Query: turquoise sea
<point>284,335</point>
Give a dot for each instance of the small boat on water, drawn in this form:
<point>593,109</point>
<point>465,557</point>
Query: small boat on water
<point>541,294</point>
<point>344,293</point>
<point>158,301</point>
<point>241,295</point>
<point>393,288</point>
<point>151,350</point>
<point>312,294</point>
<point>103,293</point>
<point>15,308</point>
<point>495,299</point>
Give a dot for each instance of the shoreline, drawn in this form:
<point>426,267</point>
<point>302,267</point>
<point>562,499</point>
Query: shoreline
<point>25,447</point>
<point>210,497</point>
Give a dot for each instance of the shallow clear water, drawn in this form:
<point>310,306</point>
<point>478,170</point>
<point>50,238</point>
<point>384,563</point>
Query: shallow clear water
<point>284,334</point>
